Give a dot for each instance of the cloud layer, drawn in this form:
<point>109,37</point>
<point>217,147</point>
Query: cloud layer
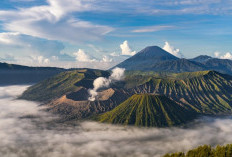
<point>27,131</point>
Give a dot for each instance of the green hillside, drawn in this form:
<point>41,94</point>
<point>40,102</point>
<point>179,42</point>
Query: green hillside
<point>147,110</point>
<point>205,151</point>
<point>207,92</point>
<point>63,83</point>
<point>136,78</point>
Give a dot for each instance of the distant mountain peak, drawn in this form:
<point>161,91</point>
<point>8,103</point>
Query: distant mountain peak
<point>202,58</point>
<point>155,51</point>
<point>147,58</point>
<point>151,48</point>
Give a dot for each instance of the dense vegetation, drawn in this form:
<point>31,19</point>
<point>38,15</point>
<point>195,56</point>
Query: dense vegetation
<point>136,78</point>
<point>205,151</point>
<point>147,110</point>
<point>203,92</point>
<point>207,92</point>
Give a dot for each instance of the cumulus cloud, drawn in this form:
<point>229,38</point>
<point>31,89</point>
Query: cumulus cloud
<point>103,82</point>
<point>28,131</point>
<point>176,52</point>
<point>86,61</point>
<point>81,56</point>
<point>126,50</point>
<point>40,59</point>
<point>228,55</point>
<point>106,59</point>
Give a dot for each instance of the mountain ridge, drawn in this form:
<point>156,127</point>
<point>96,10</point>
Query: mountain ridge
<point>209,93</point>
<point>202,92</point>
<point>18,74</point>
<point>154,58</point>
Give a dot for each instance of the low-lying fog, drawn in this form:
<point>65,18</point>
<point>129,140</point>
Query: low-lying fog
<point>25,131</point>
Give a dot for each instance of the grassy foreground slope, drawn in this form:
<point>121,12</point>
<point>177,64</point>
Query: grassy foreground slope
<point>147,110</point>
<point>63,83</point>
<point>205,151</point>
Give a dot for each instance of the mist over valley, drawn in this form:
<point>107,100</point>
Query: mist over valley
<point>28,131</point>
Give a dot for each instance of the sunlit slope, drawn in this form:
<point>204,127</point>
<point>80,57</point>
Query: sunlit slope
<point>63,83</point>
<point>206,92</point>
<point>147,110</point>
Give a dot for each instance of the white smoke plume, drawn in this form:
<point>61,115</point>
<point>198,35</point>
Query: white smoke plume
<point>102,82</point>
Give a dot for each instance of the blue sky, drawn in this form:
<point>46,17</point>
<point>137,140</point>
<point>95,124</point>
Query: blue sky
<point>101,33</point>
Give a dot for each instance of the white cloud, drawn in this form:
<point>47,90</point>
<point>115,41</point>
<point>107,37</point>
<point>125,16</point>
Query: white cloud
<point>81,56</point>
<point>27,136</point>
<point>40,59</point>
<point>54,21</point>
<point>228,55</point>
<point>9,38</point>
<point>126,50</point>
<point>152,29</point>
<point>176,52</point>
<point>114,54</point>
<point>55,58</point>
<point>106,59</point>
<point>216,54</point>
